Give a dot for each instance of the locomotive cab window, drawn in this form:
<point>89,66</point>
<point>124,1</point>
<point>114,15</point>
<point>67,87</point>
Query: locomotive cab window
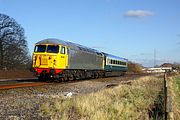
<point>53,48</point>
<point>62,50</point>
<point>40,48</point>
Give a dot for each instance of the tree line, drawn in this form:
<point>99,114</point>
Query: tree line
<point>14,52</point>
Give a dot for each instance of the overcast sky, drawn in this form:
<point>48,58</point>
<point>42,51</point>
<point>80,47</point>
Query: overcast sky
<point>127,28</point>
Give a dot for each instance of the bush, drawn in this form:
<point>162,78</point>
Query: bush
<point>134,67</point>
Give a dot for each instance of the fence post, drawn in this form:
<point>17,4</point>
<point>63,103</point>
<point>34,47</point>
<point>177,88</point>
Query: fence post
<point>165,96</point>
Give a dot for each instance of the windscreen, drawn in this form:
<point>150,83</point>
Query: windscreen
<point>53,48</point>
<point>40,48</point>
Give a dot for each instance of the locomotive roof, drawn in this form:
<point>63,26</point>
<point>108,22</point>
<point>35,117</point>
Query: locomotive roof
<point>70,44</point>
<point>52,41</point>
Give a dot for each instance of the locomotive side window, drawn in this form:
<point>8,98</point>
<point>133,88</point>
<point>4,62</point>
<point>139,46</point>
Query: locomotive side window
<point>67,50</point>
<point>62,50</point>
<point>53,48</point>
<point>40,48</point>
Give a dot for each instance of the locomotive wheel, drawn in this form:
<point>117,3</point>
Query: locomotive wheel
<point>61,79</point>
<point>97,75</point>
<point>93,76</point>
<point>43,77</point>
<point>65,77</point>
<point>104,75</point>
<point>48,79</point>
<point>71,77</point>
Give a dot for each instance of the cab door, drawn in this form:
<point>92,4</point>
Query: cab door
<point>63,60</point>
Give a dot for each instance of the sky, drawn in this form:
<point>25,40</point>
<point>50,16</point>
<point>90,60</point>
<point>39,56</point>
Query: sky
<point>133,29</point>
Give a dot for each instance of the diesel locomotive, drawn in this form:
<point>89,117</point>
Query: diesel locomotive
<point>61,60</point>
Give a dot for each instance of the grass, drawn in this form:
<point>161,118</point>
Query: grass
<point>133,101</point>
<point>174,84</point>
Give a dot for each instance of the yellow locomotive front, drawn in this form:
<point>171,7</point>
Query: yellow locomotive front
<point>49,58</point>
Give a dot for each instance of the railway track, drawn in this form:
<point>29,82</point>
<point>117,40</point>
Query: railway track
<point>12,84</point>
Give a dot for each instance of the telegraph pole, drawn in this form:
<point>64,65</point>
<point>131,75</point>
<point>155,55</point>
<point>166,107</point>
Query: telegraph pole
<point>154,57</point>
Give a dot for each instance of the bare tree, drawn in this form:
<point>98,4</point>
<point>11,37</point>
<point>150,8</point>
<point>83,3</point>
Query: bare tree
<point>14,53</point>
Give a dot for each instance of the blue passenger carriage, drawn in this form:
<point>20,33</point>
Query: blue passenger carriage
<point>115,65</point>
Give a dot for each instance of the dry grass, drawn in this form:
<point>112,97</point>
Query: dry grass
<point>133,101</point>
<point>174,89</point>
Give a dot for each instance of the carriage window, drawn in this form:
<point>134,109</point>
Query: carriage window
<point>53,49</point>
<point>109,61</point>
<point>40,48</point>
<point>62,50</point>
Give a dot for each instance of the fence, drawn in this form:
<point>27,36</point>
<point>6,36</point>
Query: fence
<point>168,114</point>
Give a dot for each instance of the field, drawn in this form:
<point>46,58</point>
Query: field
<point>138,98</point>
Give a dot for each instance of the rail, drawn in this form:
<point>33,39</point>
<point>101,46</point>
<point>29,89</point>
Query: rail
<point>3,87</point>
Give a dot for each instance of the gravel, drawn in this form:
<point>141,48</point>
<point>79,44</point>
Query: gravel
<point>24,103</point>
